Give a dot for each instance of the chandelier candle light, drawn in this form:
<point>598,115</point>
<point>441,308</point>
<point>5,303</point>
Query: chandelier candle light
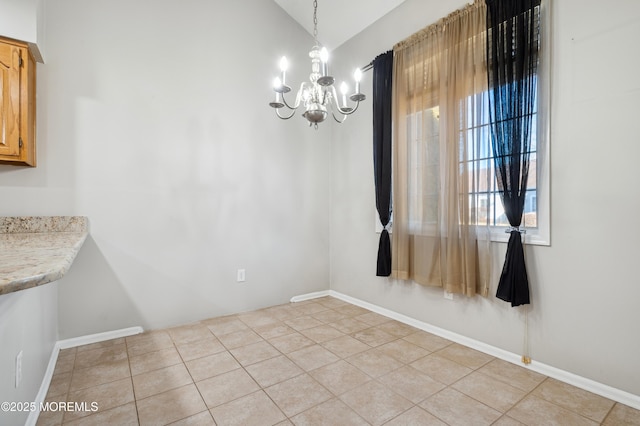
<point>318,95</point>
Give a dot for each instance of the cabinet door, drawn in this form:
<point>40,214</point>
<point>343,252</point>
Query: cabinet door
<point>9,100</point>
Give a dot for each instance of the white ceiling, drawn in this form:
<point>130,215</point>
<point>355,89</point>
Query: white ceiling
<point>338,20</point>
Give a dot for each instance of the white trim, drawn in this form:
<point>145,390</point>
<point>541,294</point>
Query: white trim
<point>601,389</point>
<point>66,344</point>
<point>99,337</point>
<point>309,296</point>
<point>541,235</point>
<point>44,386</point>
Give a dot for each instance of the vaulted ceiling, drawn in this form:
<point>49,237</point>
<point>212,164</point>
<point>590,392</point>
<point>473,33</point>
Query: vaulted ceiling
<point>338,20</point>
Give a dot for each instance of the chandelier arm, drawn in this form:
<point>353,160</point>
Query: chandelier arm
<point>284,101</point>
<point>344,112</point>
<point>338,120</point>
<point>298,98</point>
<point>293,111</point>
<point>355,108</point>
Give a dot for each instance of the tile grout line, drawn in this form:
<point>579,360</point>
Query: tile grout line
<point>303,371</point>
<point>133,388</point>
<point>244,369</point>
<point>526,393</point>
<point>73,370</point>
<point>450,386</point>
<point>263,389</point>
<point>301,313</point>
<point>190,375</point>
<point>547,378</point>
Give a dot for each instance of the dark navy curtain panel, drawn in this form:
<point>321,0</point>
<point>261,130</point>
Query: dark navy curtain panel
<point>513,34</point>
<point>382,85</point>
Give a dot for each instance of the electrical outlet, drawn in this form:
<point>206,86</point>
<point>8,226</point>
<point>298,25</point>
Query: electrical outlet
<point>18,369</point>
<point>241,276</point>
<point>448,295</point>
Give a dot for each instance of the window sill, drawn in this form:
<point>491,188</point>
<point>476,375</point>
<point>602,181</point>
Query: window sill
<point>498,235</point>
<point>531,237</point>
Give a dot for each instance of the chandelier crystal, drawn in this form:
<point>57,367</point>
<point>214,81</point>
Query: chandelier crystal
<point>317,96</point>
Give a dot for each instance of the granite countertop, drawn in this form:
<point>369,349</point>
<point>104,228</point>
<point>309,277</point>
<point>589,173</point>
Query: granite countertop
<point>37,250</point>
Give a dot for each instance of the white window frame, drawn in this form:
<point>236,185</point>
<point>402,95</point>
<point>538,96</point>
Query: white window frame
<point>541,235</point>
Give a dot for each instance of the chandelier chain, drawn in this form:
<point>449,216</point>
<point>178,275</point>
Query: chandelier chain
<point>315,20</point>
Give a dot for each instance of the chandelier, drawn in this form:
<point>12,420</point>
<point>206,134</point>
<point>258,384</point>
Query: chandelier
<point>317,96</point>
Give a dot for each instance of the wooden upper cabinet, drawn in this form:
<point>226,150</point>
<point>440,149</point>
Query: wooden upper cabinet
<point>17,104</point>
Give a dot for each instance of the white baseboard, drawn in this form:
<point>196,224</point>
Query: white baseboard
<point>310,296</point>
<point>44,386</point>
<point>601,389</point>
<point>98,337</point>
<point>66,344</point>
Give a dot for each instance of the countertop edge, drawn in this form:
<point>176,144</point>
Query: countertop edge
<point>75,231</point>
<point>43,224</point>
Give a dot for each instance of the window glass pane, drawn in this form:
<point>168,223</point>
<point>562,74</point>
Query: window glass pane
<point>482,202</point>
<point>484,142</point>
<point>532,181</point>
<point>530,216</point>
<point>534,133</point>
<point>476,155</point>
<point>500,218</point>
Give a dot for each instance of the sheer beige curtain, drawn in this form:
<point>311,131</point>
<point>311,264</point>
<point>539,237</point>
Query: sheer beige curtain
<point>439,235</point>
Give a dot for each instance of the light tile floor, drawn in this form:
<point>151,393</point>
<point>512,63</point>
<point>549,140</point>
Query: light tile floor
<point>319,362</point>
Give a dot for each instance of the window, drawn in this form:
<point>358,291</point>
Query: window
<point>425,156</point>
<point>536,217</point>
<point>484,202</point>
<point>485,205</point>
<point>484,199</point>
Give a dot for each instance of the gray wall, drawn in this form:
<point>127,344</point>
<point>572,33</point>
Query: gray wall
<point>153,121</point>
<point>28,323</point>
<point>584,314</point>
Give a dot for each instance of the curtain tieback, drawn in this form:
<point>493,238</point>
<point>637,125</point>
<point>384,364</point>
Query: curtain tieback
<point>517,229</point>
